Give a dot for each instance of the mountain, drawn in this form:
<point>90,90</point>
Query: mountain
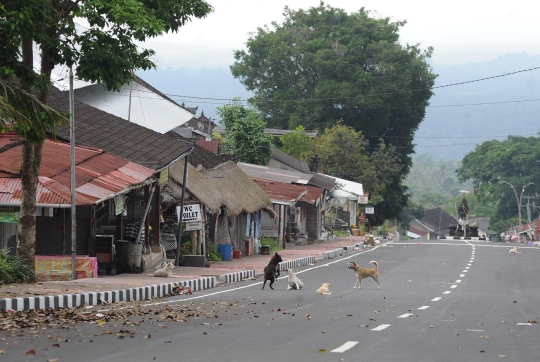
<point>447,132</point>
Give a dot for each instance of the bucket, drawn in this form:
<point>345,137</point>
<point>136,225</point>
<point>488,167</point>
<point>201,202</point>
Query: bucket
<point>226,251</point>
<point>129,257</point>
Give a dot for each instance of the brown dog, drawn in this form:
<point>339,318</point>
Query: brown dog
<point>369,241</point>
<point>362,273</point>
<point>271,271</point>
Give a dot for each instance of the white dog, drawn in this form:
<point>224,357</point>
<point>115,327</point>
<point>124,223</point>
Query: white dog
<point>294,282</point>
<point>164,270</point>
<point>514,250</point>
<point>323,289</point>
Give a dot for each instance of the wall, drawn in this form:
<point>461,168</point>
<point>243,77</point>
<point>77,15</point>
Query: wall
<point>311,221</point>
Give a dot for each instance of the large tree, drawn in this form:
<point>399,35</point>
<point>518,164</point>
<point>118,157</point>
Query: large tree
<point>515,160</point>
<point>245,137</point>
<point>322,64</point>
<point>104,51</point>
<point>342,152</point>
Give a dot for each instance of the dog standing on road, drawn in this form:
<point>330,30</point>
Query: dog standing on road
<point>294,282</point>
<point>271,271</point>
<point>362,273</point>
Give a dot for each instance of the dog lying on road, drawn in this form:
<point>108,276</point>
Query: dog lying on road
<point>514,250</point>
<point>294,282</point>
<point>362,273</point>
<point>323,289</point>
<point>271,271</point>
<point>164,270</point>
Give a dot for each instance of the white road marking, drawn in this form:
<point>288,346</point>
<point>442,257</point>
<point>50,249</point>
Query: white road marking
<point>461,275</point>
<point>447,292</point>
<point>381,327</point>
<point>436,299</point>
<point>453,286</point>
<point>524,324</point>
<point>458,281</point>
<point>467,267</point>
<point>465,271</point>
<point>475,330</point>
<point>424,307</point>
<point>345,347</point>
<point>406,315</point>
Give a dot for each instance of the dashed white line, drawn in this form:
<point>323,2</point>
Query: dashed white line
<point>524,324</point>
<point>345,347</point>
<point>465,271</point>
<point>475,330</point>
<point>447,292</point>
<point>436,299</point>
<point>467,267</point>
<point>458,281</point>
<point>461,275</point>
<point>424,307</point>
<point>453,286</point>
<point>406,315</point>
<point>381,327</point>
<point>469,264</point>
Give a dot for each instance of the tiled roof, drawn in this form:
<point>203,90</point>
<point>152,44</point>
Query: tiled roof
<point>437,219</point>
<point>117,136</point>
<point>99,175</point>
<point>290,161</point>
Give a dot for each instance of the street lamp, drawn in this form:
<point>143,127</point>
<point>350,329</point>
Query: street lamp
<point>518,200</point>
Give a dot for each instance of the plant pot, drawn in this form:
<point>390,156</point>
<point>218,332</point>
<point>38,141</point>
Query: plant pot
<point>362,232</point>
<point>194,260</point>
<point>355,232</point>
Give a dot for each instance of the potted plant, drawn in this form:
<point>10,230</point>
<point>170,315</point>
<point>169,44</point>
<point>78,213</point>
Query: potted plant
<point>362,230</point>
<point>354,230</point>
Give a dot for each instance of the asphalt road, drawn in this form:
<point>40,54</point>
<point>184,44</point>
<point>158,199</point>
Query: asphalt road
<point>438,301</point>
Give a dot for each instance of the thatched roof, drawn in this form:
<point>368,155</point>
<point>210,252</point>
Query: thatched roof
<point>225,185</point>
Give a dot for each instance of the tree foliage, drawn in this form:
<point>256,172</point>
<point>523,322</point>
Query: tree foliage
<point>322,64</point>
<point>340,151</point>
<point>297,144</point>
<point>104,52</point>
<point>515,160</point>
<point>245,137</point>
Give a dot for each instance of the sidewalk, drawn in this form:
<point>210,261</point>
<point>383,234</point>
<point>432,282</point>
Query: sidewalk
<point>129,287</point>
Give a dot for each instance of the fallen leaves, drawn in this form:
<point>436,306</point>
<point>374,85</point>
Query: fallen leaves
<point>321,350</point>
<point>32,352</point>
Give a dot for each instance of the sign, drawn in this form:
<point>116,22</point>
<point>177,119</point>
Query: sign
<point>193,225</point>
<point>119,204</point>
<point>9,215</point>
<point>191,213</point>
<point>164,176</point>
<point>369,210</point>
<point>362,200</point>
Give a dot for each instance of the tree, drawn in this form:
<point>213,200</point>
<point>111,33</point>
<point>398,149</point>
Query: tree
<point>515,160</point>
<point>340,151</point>
<point>297,144</point>
<point>105,52</point>
<point>322,64</point>
<point>244,134</point>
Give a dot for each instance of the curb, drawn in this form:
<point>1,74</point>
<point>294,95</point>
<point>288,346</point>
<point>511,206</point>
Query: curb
<point>237,276</point>
<point>461,238</point>
<point>303,261</point>
<point>94,298</point>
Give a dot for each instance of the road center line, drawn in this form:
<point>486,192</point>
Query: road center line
<point>458,281</point>
<point>424,307</point>
<point>436,299</point>
<point>453,286</point>
<point>465,271</point>
<point>406,315</point>
<point>381,327</point>
<point>345,347</point>
<point>524,324</point>
<point>461,275</point>
<point>447,292</point>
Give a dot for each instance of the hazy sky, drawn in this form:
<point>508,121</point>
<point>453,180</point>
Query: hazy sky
<point>461,31</point>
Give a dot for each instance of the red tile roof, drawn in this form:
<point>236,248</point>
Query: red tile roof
<point>98,175</point>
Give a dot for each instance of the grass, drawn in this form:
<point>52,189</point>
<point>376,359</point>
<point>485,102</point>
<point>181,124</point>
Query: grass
<point>340,233</point>
<point>13,269</point>
<point>274,244</point>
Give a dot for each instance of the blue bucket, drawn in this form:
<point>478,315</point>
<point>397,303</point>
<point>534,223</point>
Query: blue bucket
<point>226,251</point>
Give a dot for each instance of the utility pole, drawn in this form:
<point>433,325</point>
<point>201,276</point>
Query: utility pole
<point>73,185</point>
<point>518,200</point>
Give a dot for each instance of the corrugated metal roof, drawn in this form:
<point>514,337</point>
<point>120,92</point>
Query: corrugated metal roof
<point>148,109</point>
<point>275,174</point>
<point>349,186</point>
<point>98,175</point>
<point>290,161</point>
<point>285,193</point>
<point>10,192</point>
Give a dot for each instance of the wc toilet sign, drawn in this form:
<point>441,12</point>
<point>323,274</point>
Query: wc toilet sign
<point>191,213</point>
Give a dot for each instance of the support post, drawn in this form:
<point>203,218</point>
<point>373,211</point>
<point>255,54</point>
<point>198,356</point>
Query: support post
<point>73,185</point>
<point>180,217</point>
<point>157,215</point>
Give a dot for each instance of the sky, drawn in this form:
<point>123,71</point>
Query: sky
<point>460,31</point>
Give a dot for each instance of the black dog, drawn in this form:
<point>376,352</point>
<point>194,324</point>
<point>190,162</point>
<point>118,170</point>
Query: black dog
<point>271,271</point>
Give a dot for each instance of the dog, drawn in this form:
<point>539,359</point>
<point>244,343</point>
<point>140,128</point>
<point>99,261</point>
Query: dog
<point>514,250</point>
<point>271,271</point>
<point>369,241</point>
<point>164,270</point>
<point>362,273</point>
<point>294,282</point>
<point>323,289</point>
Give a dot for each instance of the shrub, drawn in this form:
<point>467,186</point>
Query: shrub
<point>213,253</point>
<point>13,269</point>
<point>274,244</point>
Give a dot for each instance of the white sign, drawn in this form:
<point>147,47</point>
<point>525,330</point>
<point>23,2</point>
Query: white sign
<point>191,213</point>
<point>362,200</point>
<point>369,210</point>
<point>193,225</point>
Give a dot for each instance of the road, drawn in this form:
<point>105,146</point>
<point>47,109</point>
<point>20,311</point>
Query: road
<point>438,301</point>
